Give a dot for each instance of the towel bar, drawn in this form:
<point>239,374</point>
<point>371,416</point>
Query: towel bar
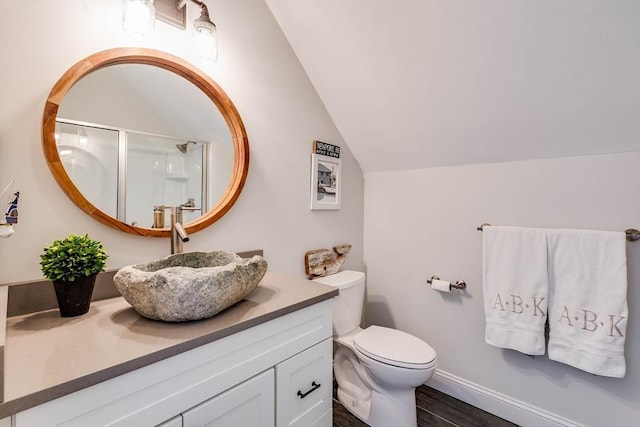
<point>632,233</point>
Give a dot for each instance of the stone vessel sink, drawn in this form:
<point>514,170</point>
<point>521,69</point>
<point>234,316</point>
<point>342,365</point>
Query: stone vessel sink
<point>189,286</point>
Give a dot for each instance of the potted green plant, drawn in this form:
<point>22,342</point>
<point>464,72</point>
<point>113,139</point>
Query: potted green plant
<point>72,265</point>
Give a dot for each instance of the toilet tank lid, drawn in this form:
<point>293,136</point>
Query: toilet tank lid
<point>394,346</point>
<point>342,279</point>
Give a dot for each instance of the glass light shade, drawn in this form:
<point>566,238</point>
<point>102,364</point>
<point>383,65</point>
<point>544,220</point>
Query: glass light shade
<point>83,138</point>
<point>205,38</point>
<point>205,45</point>
<point>138,18</point>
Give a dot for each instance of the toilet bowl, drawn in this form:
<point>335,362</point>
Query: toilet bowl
<point>377,369</point>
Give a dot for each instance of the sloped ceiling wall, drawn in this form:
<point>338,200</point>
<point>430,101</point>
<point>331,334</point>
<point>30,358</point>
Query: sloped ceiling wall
<point>415,84</point>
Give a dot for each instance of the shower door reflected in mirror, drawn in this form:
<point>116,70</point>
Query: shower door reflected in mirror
<point>126,173</point>
<point>90,158</point>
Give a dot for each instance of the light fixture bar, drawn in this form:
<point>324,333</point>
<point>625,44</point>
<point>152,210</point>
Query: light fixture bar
<point>172,12</point>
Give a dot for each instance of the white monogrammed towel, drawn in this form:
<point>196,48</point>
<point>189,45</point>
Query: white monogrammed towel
<point>588,300</point>
<point>515,287</point>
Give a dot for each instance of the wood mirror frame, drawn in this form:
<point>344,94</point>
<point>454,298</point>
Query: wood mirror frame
<point>180,67</point>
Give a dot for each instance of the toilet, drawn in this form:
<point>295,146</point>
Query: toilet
<point>377,369</point>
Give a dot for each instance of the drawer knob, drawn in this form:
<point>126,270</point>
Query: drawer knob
<point>314,386</point>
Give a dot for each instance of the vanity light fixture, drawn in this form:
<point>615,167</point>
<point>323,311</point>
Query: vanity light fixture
<point>138,18</point>
<point>173,12</point>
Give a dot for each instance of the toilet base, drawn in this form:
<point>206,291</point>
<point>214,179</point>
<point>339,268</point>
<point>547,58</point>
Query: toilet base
<point>360,408</point>
<point>395,409</point>
<point>383,410</point>
<point>374,405</point>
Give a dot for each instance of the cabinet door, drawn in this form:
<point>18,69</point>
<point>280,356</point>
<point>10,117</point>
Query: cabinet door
<point>249,404</point>
<point>304,386</point>
<point>325,420</point>
<point>173,422</point>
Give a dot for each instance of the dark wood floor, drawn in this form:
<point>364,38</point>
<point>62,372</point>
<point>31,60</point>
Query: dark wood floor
<point>434,409</point>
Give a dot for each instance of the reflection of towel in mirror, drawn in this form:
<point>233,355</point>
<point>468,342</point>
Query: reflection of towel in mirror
<point>588,300</point>
<point>515,288</point>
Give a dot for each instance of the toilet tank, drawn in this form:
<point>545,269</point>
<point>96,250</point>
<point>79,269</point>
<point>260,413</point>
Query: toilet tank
<point>347,307</point>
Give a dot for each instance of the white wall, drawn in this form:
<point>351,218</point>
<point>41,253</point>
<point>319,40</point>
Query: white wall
<point>423,222</point>
<point>257,69</point>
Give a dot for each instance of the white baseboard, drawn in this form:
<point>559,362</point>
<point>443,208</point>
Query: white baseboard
<point>498,404</point>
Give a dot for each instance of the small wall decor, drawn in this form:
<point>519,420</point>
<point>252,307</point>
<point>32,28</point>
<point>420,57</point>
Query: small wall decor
<point>325,149</point>
<point>11,215</point>
<point>326,176</point>
<point>323,262</point>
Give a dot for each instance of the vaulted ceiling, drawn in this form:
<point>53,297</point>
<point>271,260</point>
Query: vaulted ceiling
<point>413,84</point>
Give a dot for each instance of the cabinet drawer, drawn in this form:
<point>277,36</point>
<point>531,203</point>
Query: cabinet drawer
<point>304,385</point>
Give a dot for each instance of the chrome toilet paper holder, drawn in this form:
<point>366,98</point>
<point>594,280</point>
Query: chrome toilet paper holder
<point>460,284</point>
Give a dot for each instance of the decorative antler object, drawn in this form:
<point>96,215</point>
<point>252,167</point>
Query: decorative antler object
<point>324,262</point>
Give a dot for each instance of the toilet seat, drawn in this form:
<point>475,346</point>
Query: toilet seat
<point>395,348</point>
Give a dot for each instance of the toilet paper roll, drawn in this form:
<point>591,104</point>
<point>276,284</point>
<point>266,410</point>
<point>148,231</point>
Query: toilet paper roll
<point>441,285</point>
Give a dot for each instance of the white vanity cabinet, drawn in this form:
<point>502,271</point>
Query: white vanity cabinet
<point>254,377</point>
<point>296,393</point>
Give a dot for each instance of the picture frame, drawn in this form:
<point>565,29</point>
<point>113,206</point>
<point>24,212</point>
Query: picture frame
<point>326,182</point>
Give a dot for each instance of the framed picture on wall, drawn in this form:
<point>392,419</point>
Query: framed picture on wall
<point>326,182</point>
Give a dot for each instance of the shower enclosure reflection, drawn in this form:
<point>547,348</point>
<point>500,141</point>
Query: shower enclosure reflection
<point>126,173</point>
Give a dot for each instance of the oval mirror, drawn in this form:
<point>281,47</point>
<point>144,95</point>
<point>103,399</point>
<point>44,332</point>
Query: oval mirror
<point>130,132</point>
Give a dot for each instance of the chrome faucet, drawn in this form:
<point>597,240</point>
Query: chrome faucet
<point>178,233</point>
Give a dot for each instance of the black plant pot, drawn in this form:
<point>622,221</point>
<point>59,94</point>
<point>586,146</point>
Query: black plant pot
<point>74,298</point>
